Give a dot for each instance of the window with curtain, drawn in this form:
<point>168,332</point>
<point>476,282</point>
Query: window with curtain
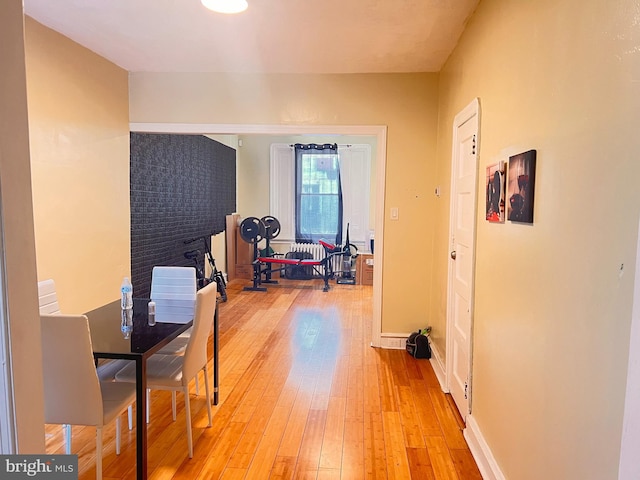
<point>318,195</point>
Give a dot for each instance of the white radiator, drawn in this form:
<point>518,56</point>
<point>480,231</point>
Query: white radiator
<point>317,251</point>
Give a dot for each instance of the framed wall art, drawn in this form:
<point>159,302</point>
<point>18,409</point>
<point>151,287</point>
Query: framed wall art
<point>521,187</point>
<point>495,193</point>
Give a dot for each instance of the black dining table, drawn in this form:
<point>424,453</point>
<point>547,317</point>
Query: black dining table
<point>109,341</point>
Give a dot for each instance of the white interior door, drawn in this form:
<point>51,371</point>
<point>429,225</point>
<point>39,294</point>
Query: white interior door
<point>464,180</point>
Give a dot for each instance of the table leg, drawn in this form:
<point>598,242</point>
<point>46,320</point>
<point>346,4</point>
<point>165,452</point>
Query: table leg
<point>141,419</point>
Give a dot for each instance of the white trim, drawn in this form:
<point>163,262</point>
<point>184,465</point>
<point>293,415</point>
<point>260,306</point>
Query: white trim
<point>378,131</point>
<point>481,452</point>
<point>394,341</point>
<point>471,110</point>
<point>8,440</point>
<point>438,367</point>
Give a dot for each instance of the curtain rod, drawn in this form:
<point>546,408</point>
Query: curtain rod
<point>343,145</point>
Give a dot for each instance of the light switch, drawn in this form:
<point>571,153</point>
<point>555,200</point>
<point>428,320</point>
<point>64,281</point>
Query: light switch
<point>394,213</point>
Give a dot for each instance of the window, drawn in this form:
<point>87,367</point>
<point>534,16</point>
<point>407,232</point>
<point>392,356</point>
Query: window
<point>318,193</point>
<point>356,178</point>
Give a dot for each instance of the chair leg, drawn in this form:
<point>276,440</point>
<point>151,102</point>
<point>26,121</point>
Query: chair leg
<point>207,391</point>
<point>66,430</point>
<point>148,403</point>
<point>118,432</point>
<point>187,407</point>
<point>130,417</point>
<point>98,453</point>
<point>173,404</point>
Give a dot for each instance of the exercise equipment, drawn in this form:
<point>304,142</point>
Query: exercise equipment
<point>272,227</point>
<point>253,230</point>
<point>348,274</point>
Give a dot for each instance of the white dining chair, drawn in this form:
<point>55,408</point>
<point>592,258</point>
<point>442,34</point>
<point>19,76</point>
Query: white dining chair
<point>48,305</point>
<point>73,392</point>
<point>173,289</point>
<point>48,297</point>
<point>106,369</point>
<point>174,373</point>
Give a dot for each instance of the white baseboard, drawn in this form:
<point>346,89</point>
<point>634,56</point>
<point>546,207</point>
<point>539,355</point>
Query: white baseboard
<point>393,341</point>
<point>481,452</point>
<point>438,367</point>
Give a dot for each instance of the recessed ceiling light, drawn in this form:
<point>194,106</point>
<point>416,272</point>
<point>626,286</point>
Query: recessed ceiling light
<point>226,6</point>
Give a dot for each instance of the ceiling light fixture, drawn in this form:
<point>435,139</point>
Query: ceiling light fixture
<point>226,6</point>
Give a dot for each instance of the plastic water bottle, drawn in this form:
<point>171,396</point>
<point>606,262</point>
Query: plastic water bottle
<point>126,324</point>
<point>127,294</point>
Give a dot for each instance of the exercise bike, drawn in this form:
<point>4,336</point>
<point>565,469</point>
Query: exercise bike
<point>216,275</point>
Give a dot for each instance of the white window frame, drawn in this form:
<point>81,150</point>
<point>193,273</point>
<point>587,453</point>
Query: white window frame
<point>355,177</point>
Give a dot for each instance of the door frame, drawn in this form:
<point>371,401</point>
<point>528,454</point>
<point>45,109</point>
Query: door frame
<point>471,110</point>
<point>378,131</point>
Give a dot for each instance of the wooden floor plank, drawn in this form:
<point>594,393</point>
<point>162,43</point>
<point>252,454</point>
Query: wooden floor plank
<point>441,460</point>
<point>411,430</point>
<point>374,447</point>
<point>397,461</point>
<point>420,464</point>
<point>465,464</point>
<point>331,453</point>
<point>447,419</point>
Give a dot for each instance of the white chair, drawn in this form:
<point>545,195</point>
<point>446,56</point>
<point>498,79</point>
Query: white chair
<point>73,393</point>
<point>48,304</point>
<point>48,298</point>
<point>171,372</point>
<point>173,289</point>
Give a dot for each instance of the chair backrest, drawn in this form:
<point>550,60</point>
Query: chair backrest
<point>71,387</point>
<point>195,356</point>
<point>173,289</point>
<point>48,298</point>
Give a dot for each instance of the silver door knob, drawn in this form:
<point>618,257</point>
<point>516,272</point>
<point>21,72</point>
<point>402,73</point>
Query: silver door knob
<point>453,255</point>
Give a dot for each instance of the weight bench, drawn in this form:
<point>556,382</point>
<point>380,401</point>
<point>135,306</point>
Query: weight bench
<point>321,267</point>
<point>253,230</point>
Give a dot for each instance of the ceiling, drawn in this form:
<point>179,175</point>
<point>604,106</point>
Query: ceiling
<point>271,36</point>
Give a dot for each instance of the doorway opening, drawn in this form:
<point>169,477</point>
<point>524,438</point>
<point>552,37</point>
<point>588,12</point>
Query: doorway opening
<point>378,131</point>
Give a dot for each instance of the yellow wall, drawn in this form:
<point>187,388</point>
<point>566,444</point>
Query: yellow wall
<point>18,271</point>
<point>553,300</point>
<point>79,135</point>
<point>406,103</point>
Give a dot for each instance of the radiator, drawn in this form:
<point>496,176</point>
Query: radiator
<point>317,251</point>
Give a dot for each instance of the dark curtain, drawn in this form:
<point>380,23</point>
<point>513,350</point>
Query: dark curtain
<point>318,193</point>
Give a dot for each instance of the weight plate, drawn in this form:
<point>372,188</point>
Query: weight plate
<point>272,226</point>
<point>252,230</point>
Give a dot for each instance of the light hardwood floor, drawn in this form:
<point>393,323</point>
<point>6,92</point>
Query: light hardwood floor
<point>302,395</point>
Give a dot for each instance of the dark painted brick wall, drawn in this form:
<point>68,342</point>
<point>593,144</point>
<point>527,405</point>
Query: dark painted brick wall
<point>182,186</point>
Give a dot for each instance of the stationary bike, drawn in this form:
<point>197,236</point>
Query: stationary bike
<point>216,275</point>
